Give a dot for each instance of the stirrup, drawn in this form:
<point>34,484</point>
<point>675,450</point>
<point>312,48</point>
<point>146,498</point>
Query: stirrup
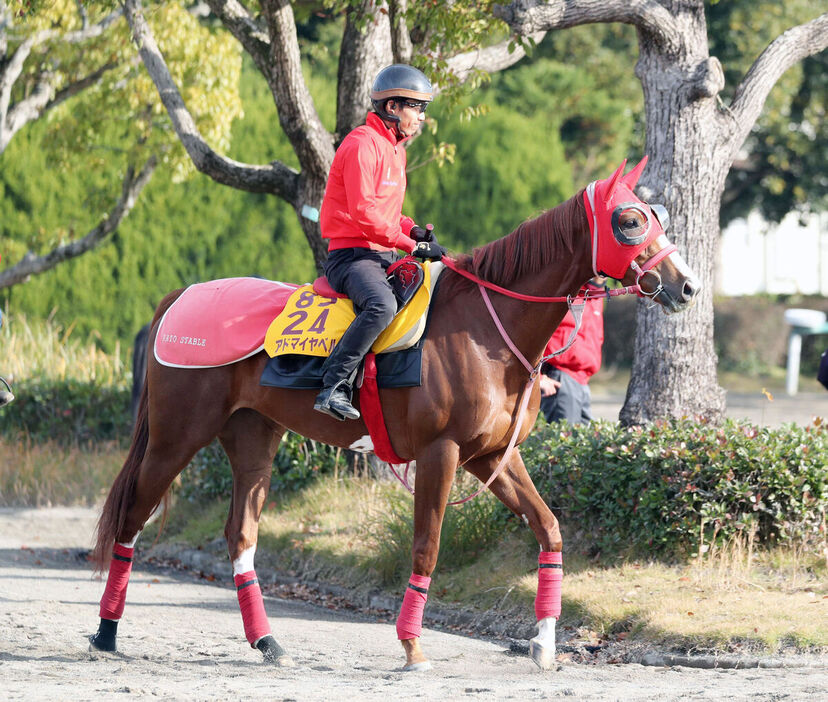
<point>6,396</point>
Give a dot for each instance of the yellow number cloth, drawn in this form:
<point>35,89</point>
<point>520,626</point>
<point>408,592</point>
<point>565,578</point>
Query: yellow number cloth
<point>312,325</point>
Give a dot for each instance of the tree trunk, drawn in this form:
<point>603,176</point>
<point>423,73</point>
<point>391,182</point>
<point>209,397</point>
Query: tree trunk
<point>365,50</point>
<point>674,364</point>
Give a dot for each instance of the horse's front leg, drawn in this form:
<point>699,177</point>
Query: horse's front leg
<point>515,489</point>
<point>435,472</point>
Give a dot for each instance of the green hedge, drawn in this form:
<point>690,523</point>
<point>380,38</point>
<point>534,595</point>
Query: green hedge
<point>646,491</point>
<point>298,462</point>
<point>656,490</point>
<point>70,412</point>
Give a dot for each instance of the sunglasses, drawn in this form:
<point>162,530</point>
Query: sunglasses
<point>416,105</point>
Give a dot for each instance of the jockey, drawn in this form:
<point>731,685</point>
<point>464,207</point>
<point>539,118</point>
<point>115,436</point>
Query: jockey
<point>362,220</point>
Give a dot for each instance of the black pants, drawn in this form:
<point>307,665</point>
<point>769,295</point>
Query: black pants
<point>572,402</point>
<point>360,274</point>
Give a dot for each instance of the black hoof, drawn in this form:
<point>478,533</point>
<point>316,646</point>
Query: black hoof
<point>104,638</point>
<point>273,653</point>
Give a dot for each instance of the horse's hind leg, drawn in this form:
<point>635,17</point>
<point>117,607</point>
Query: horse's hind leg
<point>515,489</point>
<point>250,441</point>
<point>154,475</point>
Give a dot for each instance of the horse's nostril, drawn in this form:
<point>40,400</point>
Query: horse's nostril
<point>689,291</point>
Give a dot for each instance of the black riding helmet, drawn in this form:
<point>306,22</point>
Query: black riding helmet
<point>399,81</point>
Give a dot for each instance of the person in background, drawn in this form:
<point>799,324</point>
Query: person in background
<point>564,379</point>
<point>361,217</point>
<point>822,373</point>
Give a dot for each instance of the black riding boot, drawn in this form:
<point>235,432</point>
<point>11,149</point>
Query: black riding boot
<point>336,401</point>
<point>359,273</point>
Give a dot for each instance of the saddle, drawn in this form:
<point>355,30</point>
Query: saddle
<point>225,321</point>
<point>316,316</point>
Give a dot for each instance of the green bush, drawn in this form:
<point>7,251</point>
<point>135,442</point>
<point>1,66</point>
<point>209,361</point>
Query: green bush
<point>468,532</point>
<point>69,412</point>
<point>657,490</point>
<point>297,463</point>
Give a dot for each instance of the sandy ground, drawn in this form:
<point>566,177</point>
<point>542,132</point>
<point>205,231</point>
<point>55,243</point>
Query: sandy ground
<point>783,409</point>
<point>182,638</point>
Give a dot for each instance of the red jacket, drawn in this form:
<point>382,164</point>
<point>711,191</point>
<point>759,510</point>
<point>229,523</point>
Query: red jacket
<point>583,359</point>
<point>363,199</point>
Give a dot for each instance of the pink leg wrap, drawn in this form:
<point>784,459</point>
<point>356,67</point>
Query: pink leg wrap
<point>114,597</point>
<point>550,574</point>
<point>252,606</point>
<point>410,619</point>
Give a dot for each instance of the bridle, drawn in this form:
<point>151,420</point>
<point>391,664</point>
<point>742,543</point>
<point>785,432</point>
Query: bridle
<point>575,305</point>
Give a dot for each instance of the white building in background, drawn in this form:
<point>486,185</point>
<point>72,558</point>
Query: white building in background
<point>758,257</point>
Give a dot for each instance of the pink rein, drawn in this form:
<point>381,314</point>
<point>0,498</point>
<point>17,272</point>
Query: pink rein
<point>534,371</point>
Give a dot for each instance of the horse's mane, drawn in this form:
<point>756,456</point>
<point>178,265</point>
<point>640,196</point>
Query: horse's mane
<point>530,248</point>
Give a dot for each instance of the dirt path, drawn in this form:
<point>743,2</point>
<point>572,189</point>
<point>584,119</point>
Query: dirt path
<point>754,407</point>
<point>182,638</point>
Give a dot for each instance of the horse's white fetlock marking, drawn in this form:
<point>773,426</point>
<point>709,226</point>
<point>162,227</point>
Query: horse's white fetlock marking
<point>244,563</point>
<point>542,647</point>
<point>420,667</point>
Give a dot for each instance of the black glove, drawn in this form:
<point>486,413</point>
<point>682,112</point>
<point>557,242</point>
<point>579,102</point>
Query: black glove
<point>428,251</point>
<point>419,234</point>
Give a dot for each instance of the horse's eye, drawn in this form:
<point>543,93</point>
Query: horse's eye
<point>630,221</point>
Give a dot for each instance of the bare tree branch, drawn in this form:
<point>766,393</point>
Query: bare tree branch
<point>525,17</point>
<point>783,52</point>
<point>15,117</point>
<point>79,85</point>
<point>238,21</point>
<point>40,100</point>
<point>23,112</point>
<point>366,47</point>
<point>9,73</point>
<point>400,40</point>
<point>311,142</point>
<point>31,264</point>
<point>90,31</point>
<point>274,178</point>
<point>491,59</point>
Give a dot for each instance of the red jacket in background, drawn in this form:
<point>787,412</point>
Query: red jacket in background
<point>583,359</point>
<point>363,199</point>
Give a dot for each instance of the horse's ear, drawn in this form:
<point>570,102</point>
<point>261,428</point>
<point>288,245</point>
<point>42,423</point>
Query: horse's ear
<point>631,179</point>
<point>613,181</point>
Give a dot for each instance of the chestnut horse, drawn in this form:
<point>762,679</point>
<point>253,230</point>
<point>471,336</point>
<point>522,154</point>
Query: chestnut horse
<point>466,412</point>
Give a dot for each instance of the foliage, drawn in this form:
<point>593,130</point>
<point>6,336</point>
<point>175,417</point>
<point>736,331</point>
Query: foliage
<point>179,234</point>
<point>122,113</point>
<point>68,412</point>
<point>67,391</point>
<point>495,183</point>
<point>468,532</point>
<point>298,462</point>
<point>668,488</point>
<point>783,168</point>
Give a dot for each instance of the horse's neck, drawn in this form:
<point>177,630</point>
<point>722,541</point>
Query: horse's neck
<point>531,324</point>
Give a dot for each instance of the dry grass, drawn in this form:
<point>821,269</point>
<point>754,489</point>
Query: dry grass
<point>40,475</point>
<point>732,598</point>
<point>46,349</point>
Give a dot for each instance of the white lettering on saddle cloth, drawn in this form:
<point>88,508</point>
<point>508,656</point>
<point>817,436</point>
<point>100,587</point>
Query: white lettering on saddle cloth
<point>175,339</point>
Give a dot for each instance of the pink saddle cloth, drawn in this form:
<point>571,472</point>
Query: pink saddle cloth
<point>219,322</point>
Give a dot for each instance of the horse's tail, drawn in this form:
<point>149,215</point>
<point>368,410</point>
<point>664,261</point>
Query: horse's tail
<point>121,495</point>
